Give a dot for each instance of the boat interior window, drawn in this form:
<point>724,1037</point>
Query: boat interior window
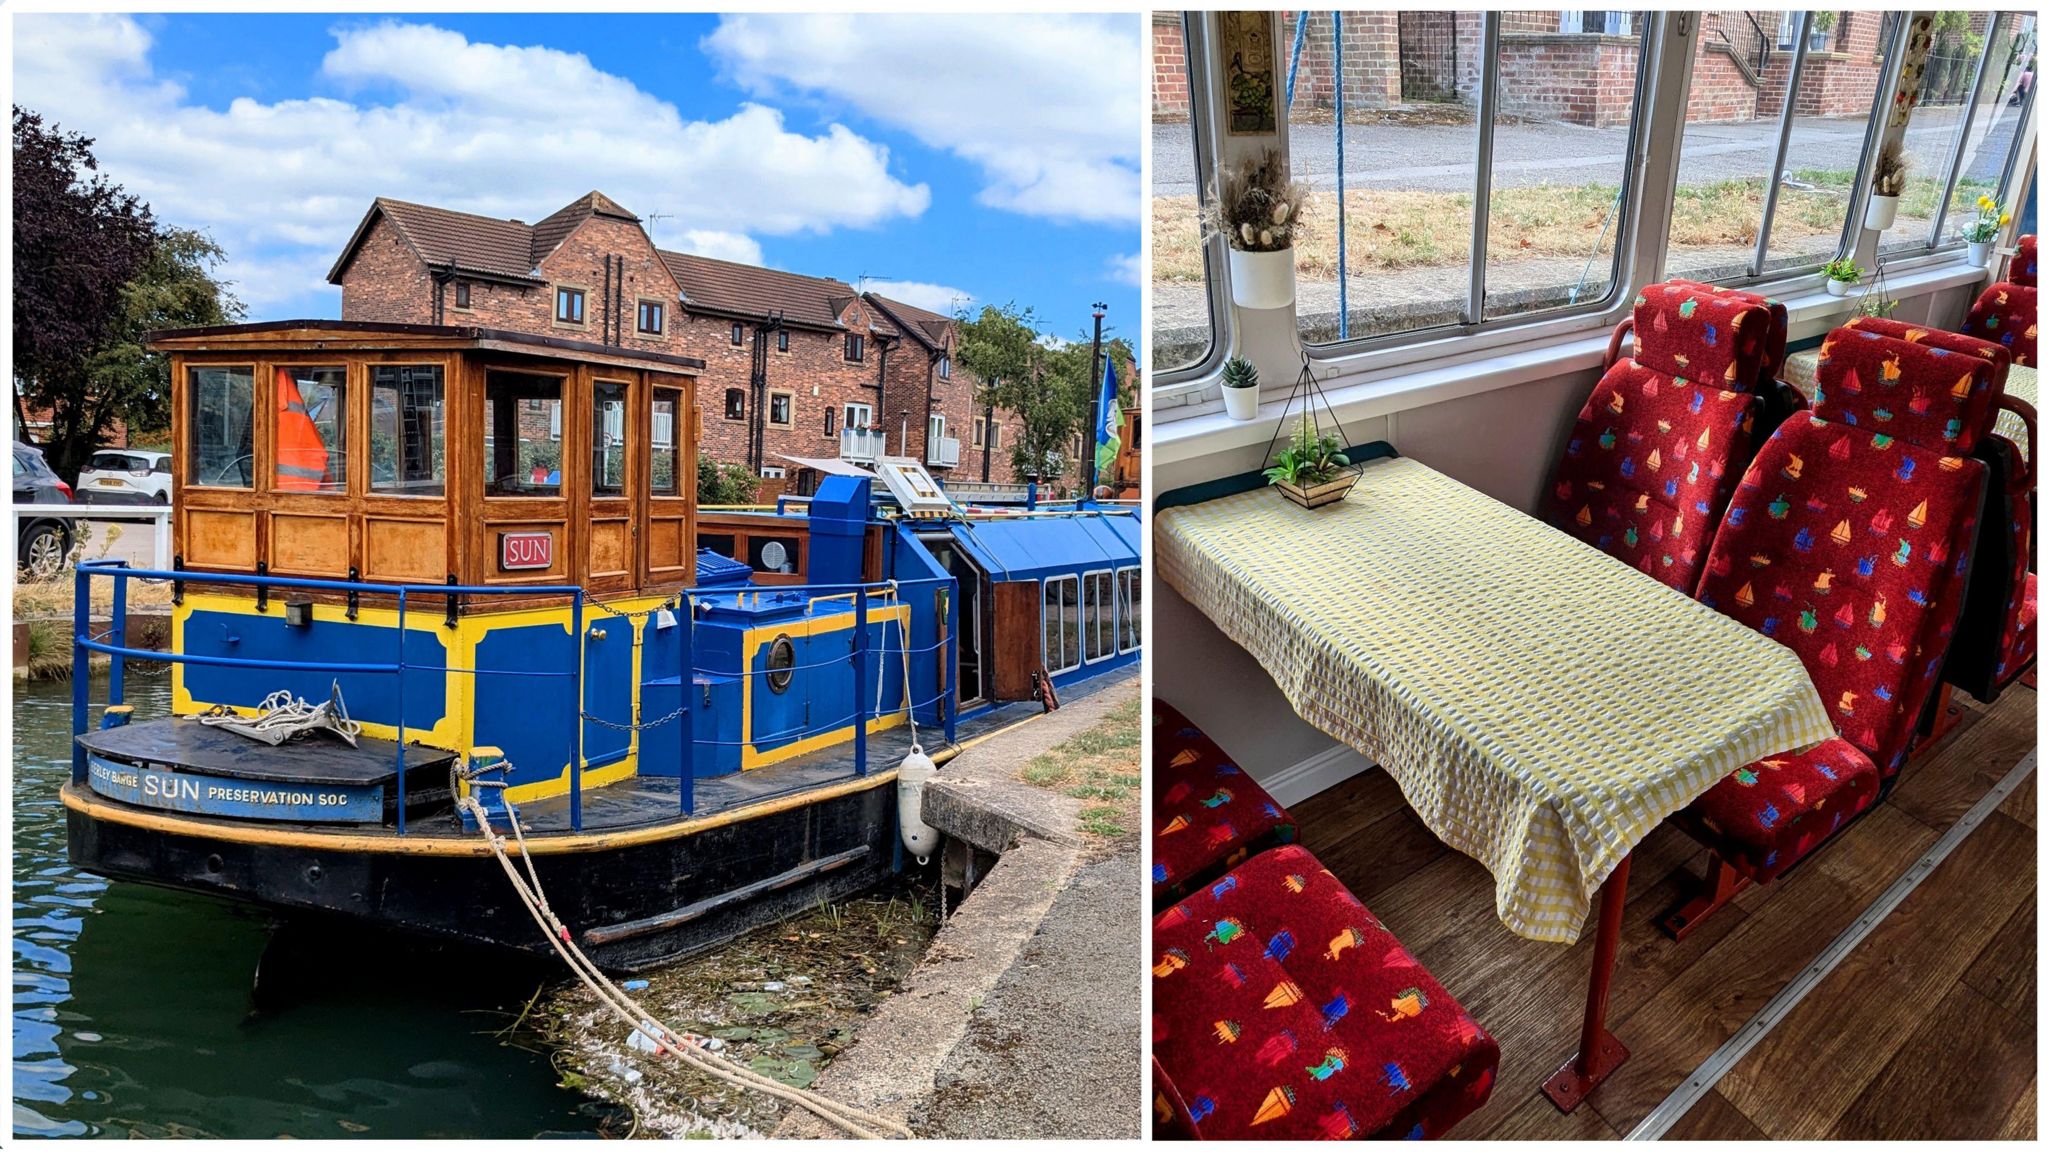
<point>722,543</point>
<point>667,463</point>
<point>223,432</point>
<point>408,430</point>
<point>774,553</point>
<point>608,438</point>
<point>1101,616</point>
<point>1062,619</point>
<point>1130,593</point>
<point>522,430</point>
<point>312,429</point>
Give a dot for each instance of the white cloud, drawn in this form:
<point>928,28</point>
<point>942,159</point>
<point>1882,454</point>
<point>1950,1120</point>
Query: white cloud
<point>717,245</point>
<point>939,298</point>
<point>1050,107</point>
<point>1126,269</point>
<point>427,115</point>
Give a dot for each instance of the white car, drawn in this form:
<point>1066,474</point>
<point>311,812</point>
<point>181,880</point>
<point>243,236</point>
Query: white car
<point>126,476</point>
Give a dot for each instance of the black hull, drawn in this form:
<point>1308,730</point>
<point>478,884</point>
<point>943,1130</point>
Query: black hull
<point>630,905</point>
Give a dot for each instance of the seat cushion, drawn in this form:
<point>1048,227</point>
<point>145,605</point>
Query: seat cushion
<point>1999,355</point>
<point>1283,1009</point>
<point>1648,469</point>
<point>1912,391</point>
<point>1207,815</point>
<point>2007,314</point>
<point>2021,270</point>
<point>1772,366</point>
<point>1768,815</point>
<point>2019,634</point>
<point>1717,339</point>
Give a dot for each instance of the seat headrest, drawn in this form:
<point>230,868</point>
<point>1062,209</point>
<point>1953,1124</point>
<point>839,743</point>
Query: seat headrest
<point>1710,338</point>
<point>1774,341</point>
<point>2021,270</point>
<point>1916,392</point>
<point>1999,356</point>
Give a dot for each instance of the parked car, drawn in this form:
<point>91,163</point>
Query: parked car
<point>42,542</point>
<point>126,476</point>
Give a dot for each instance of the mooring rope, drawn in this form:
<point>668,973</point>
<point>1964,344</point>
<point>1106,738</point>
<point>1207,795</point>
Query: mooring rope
<point>686,1046</point>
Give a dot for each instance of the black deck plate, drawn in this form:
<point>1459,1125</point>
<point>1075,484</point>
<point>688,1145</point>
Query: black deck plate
<point>314,758</point>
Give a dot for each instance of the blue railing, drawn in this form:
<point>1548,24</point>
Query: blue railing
<point>116,649</point>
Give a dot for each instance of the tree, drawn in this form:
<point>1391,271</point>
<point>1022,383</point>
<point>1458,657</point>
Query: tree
<point>1049,386</point>
<point>724,483</point>
<point>78,238</point>
<point>174,289</point>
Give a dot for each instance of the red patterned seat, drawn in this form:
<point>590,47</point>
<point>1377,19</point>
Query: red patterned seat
<point>1207,815</point>
<point>1650,461</point>
<point>1281,1009</point>
<point>2021,270</point>
<point>2007,314</point>
<point>1849,540</point>
<point>1772,366</point>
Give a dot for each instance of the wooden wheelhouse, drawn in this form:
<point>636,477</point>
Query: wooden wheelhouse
<point>417,454</point>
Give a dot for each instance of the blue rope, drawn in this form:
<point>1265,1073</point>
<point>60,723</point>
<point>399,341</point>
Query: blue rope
<point>1343,277</point>
<point>1294,61</point>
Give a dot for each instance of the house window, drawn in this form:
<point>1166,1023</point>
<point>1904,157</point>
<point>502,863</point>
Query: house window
<point>1062,620</point>
<point>223,427</point>
<point>995,434</point>
<point>831,422</point>
<point>772,472</point>
<point>608,438</point>
<point>568,305</point>
<point>652,314</point>
<point>1130,594</point>
<point>311,431</point>
<point>1736,214</point>
<point>945,367</point>
<point>1100,604</point>
<point>782,340</point>
<point>739,335</point>
<point>987,433</point>
<point>856,346</point>
<point>860,416</point>
<point>779,409</point>
<point>408,430</point>
<point>668,460</point>
<point>522,422</point>
<point>462,294</point>
<point>735,404</point>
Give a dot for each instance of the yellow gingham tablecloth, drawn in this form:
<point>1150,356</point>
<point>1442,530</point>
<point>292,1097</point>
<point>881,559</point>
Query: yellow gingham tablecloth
<point>1542,705</point>
<point>2021,382</point>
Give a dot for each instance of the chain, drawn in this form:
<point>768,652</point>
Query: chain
<point>664,606</point>
<point>640,727</point>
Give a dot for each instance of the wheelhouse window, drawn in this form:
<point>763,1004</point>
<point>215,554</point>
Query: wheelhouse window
<point>462,294</point>
<point>223,432</point>
<point>780,406</point>
<point>1099,601</point>
<point>1130,594</point>
<point>1062,623</point>
<point>310,452</point>
<point>608,438</point>
<point>666,473</point>
<point>408,430</point>
<point>856,346</point>
<point>568,305</point>
<point>520,457</point>
<point>735,404</point>
<point>650,318</point>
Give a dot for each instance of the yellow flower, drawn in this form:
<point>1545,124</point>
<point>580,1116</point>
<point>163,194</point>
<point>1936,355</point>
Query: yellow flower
<point>1983,201</point>
<point>2005,219</point>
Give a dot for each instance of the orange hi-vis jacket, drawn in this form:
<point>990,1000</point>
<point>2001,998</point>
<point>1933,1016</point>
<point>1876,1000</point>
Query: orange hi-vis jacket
<point>301,454</point>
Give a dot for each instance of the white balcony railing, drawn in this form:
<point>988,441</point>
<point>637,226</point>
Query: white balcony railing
<point>862,445</point>
<point>943,452</point>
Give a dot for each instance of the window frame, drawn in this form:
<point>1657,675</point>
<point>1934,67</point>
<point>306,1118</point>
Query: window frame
<point>1130,614</point>
<point>396,368</point>
<point>945,367</point>
<point>463,298</point>
<point>742,394</point>
<point>855,350</point>
<point>348,377</point>
<point>1191,383</point>
<point>582,296</point>
<point>1046,619</point>
<point>660,308</point>
<point>256,435</point>
<point>1956,154</point>
<point>867,411</point>
<point>782,339</point>
<point>1089,616</point>
<point>785,394</point>
<point>739,334</point>
<point>656,395</point>
<point>598,489</point>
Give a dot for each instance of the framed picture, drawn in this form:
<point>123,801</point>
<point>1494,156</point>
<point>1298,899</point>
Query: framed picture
<point>1248,64</point>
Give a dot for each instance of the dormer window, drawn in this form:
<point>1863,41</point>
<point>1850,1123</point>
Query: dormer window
<point>856,347</point>
<point>568,305</point>
<point>945,367</point>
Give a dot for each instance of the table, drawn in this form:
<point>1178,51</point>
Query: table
<point>1521,687</point>
<point>2021,382</point>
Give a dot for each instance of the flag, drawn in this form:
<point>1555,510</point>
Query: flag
<point>1108,436</point>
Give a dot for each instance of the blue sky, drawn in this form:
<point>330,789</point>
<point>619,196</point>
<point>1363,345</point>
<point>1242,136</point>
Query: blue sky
<point>992,158</point>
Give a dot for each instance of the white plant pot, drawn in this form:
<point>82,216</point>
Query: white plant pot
<point>1980,254</point>
<point>1262,279</point>
<point>1241,403</point>
<point>1879,214</point>
<point>1839,287</point>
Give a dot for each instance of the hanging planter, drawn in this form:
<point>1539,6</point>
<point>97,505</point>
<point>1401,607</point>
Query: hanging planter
<point>1881,212</point>
<point>1257,211</point>
<point>1312,470</point>
<point>1886,182</point>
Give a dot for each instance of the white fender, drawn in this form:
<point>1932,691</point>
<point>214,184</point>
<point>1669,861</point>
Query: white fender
<point>919,838</point>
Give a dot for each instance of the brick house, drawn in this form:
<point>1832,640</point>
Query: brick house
<point>1578,67</point>
<point>930,403</point>
<point>796,367</point>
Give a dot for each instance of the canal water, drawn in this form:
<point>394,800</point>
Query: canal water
<point>135,1011</point>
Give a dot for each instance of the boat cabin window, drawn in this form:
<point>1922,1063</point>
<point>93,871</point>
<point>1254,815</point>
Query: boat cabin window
<point>522,424</point>
<point>608,438</point>
<point>223,428</point>
<point>1100,601</point>
<point>311,429</point>
<point>667,449</point>
<point>774,553</point>
<point>1130,601</point>
<point>722,543</point>
<point>1062,617</point>
<point>408,430</point>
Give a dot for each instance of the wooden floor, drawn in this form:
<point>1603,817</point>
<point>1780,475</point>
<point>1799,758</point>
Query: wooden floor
<point>1926,1030</point>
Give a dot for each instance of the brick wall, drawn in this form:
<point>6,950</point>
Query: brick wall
<point>386,283</point>
<point>1569,78</point>
<point>814,372</point>
<point>1169,67</point>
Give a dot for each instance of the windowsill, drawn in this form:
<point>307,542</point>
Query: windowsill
<point>1364,395</point>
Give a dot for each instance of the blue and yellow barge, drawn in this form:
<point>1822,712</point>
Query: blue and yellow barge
<point>484,548</point>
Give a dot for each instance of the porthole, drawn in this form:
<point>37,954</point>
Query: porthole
<point>781,664</point>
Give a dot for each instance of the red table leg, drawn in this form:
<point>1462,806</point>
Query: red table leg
<point>1599,1052</point>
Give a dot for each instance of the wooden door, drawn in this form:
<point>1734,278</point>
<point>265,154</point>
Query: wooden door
<point>1018,640</point>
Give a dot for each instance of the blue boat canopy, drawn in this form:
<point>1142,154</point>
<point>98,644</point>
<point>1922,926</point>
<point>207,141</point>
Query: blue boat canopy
<point>1040,546</point>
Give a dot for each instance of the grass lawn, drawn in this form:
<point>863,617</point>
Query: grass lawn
<point>1098,766</point>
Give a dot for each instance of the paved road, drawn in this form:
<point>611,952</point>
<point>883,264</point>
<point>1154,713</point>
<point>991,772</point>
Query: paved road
<point>1532,154</point>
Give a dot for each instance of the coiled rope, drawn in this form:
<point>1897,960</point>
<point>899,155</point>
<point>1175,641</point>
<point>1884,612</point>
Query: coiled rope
<point>686,1046</point>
